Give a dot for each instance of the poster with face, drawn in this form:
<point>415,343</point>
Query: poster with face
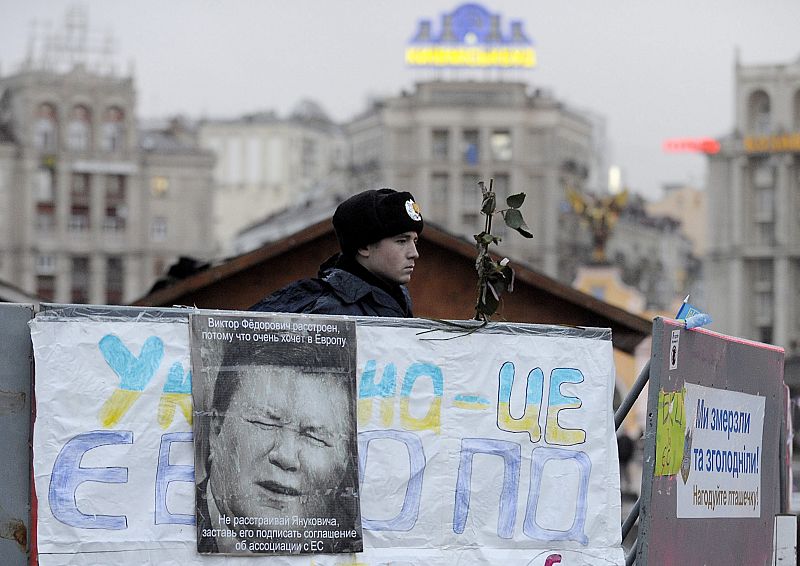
<point>275,435</point>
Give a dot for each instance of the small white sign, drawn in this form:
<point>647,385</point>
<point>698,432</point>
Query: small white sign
<point>724,443</point>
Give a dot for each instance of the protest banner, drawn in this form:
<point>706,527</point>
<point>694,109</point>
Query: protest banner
<point>480,447</point>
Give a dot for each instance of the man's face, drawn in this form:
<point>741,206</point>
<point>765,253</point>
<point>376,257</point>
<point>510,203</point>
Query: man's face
<point>392,259</point>
<point>283,442</point>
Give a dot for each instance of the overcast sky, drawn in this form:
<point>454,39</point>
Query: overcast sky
<point>653,69</point>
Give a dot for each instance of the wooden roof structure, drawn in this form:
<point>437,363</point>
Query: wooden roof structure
<point>443,286</point>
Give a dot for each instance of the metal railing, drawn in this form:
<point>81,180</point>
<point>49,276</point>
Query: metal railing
<point>619,416</point>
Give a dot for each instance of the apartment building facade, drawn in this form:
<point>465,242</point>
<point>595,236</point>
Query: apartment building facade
<point>441,139</point>
<point>90,213</point>
<point>753,262</point>
<point>267,163</point>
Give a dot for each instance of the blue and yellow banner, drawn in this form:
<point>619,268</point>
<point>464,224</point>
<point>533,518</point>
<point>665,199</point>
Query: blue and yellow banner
<point>471,37</point>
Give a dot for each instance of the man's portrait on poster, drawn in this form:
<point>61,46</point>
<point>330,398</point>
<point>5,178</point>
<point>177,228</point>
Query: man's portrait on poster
<point>276,448</point>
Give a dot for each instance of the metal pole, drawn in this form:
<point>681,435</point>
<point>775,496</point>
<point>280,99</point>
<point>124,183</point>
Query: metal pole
<point>632,395</point>
<point>619,416</point>
<point>631,519</point>
<point>631,557</point>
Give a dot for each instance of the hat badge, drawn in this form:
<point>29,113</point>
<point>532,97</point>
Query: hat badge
<point>412,208</point>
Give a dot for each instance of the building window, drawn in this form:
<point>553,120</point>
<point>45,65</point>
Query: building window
<point>765,233</point>
<point>234,175</point>
<point>471,193</point>
<point>114,280</point>
<point>796,173</point>
<point>158,229</point>
<point>764,306</point>
<point>78,218</point>
<point>79,188</point>
<point>45,277</point>
<point>79,129</point>
<point>159,185</point>
<point>45,218</point>
<point>440,145</point>
<point>80,185</point>
<point>439,187</point>
<point>758,112</point>
<point>470,146</point>
<point>763,280</point>
<point>796,109</point>
<point>115,210</point>
<point>763,274</point>
<point>114,222</point>
<point>254,160</point>
<point>113,129</point>
<point>217,146</point>
<point>765,205</point>
<point>80,279</point>
<point>115,188</point>
<point>45,264</point>
<point>309,158</point>
<point>46,287</point>
<point>500,145</point>
<point>45,185</point>
<point>45,134</point>
<point>470,221</point>
<point>796,282</point>
<point>45,200</point>
<point>763,175</point>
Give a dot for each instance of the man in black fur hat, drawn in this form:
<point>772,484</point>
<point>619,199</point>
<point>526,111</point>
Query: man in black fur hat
<point>377,232</point>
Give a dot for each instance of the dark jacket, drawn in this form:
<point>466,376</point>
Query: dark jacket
<point>342,287</point>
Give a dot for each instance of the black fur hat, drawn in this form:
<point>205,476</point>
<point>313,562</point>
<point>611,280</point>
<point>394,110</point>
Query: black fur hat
<point>372,215</point>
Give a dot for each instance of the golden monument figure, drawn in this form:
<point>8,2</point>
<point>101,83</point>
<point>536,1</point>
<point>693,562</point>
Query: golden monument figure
<point>600,214</point>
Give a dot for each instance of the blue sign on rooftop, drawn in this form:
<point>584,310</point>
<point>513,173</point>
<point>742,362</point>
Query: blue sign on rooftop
<point>470,36</point>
